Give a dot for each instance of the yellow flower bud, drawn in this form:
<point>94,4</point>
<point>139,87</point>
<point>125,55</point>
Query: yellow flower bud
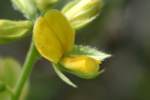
<point>82,12</point>
<point>44,5</point>
<point>82,66</point>
<point>12,30</point>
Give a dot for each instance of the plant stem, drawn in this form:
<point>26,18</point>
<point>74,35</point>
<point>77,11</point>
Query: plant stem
<point>27,68</point>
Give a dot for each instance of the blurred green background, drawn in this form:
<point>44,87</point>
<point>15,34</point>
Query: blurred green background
<point>122,29</point>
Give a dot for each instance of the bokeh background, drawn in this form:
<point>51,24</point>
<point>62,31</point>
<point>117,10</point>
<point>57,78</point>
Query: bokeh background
<point>122,29</point>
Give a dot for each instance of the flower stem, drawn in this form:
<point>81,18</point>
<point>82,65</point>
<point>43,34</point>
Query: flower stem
<point>27,68</point>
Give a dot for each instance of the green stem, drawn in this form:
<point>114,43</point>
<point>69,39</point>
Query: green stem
<point>27,68</point>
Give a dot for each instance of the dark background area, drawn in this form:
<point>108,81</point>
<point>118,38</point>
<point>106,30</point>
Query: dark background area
<point>122,29</point>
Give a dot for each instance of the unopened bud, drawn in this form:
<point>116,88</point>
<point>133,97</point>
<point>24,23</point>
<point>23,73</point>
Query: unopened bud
<point>12,30</point>
<point>82,12</point>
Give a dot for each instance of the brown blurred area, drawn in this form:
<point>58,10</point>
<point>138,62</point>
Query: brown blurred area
<point>122,29</point>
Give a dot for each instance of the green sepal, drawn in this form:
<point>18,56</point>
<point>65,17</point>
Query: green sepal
<point>88,51</point>
<point>81,12</point>
<point>64,78</point>
<point>27,7</point>
<point>13,30</point>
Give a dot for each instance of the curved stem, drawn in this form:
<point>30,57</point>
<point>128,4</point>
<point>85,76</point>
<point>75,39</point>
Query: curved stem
<point>27,68</point>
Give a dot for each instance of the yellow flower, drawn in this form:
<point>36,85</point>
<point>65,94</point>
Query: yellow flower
<point>54,38</point>
<point>53,35</point>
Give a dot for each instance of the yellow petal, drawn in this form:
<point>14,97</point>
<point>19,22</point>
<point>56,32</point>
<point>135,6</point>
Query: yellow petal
<point>61,28</point>
<point>53,36</point>
<point>46,42</point>
<point>82,66</point>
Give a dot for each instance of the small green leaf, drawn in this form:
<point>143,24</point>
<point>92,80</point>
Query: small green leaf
<point>63,77</point>
<point>12,30</point>
<point>88,51</point>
